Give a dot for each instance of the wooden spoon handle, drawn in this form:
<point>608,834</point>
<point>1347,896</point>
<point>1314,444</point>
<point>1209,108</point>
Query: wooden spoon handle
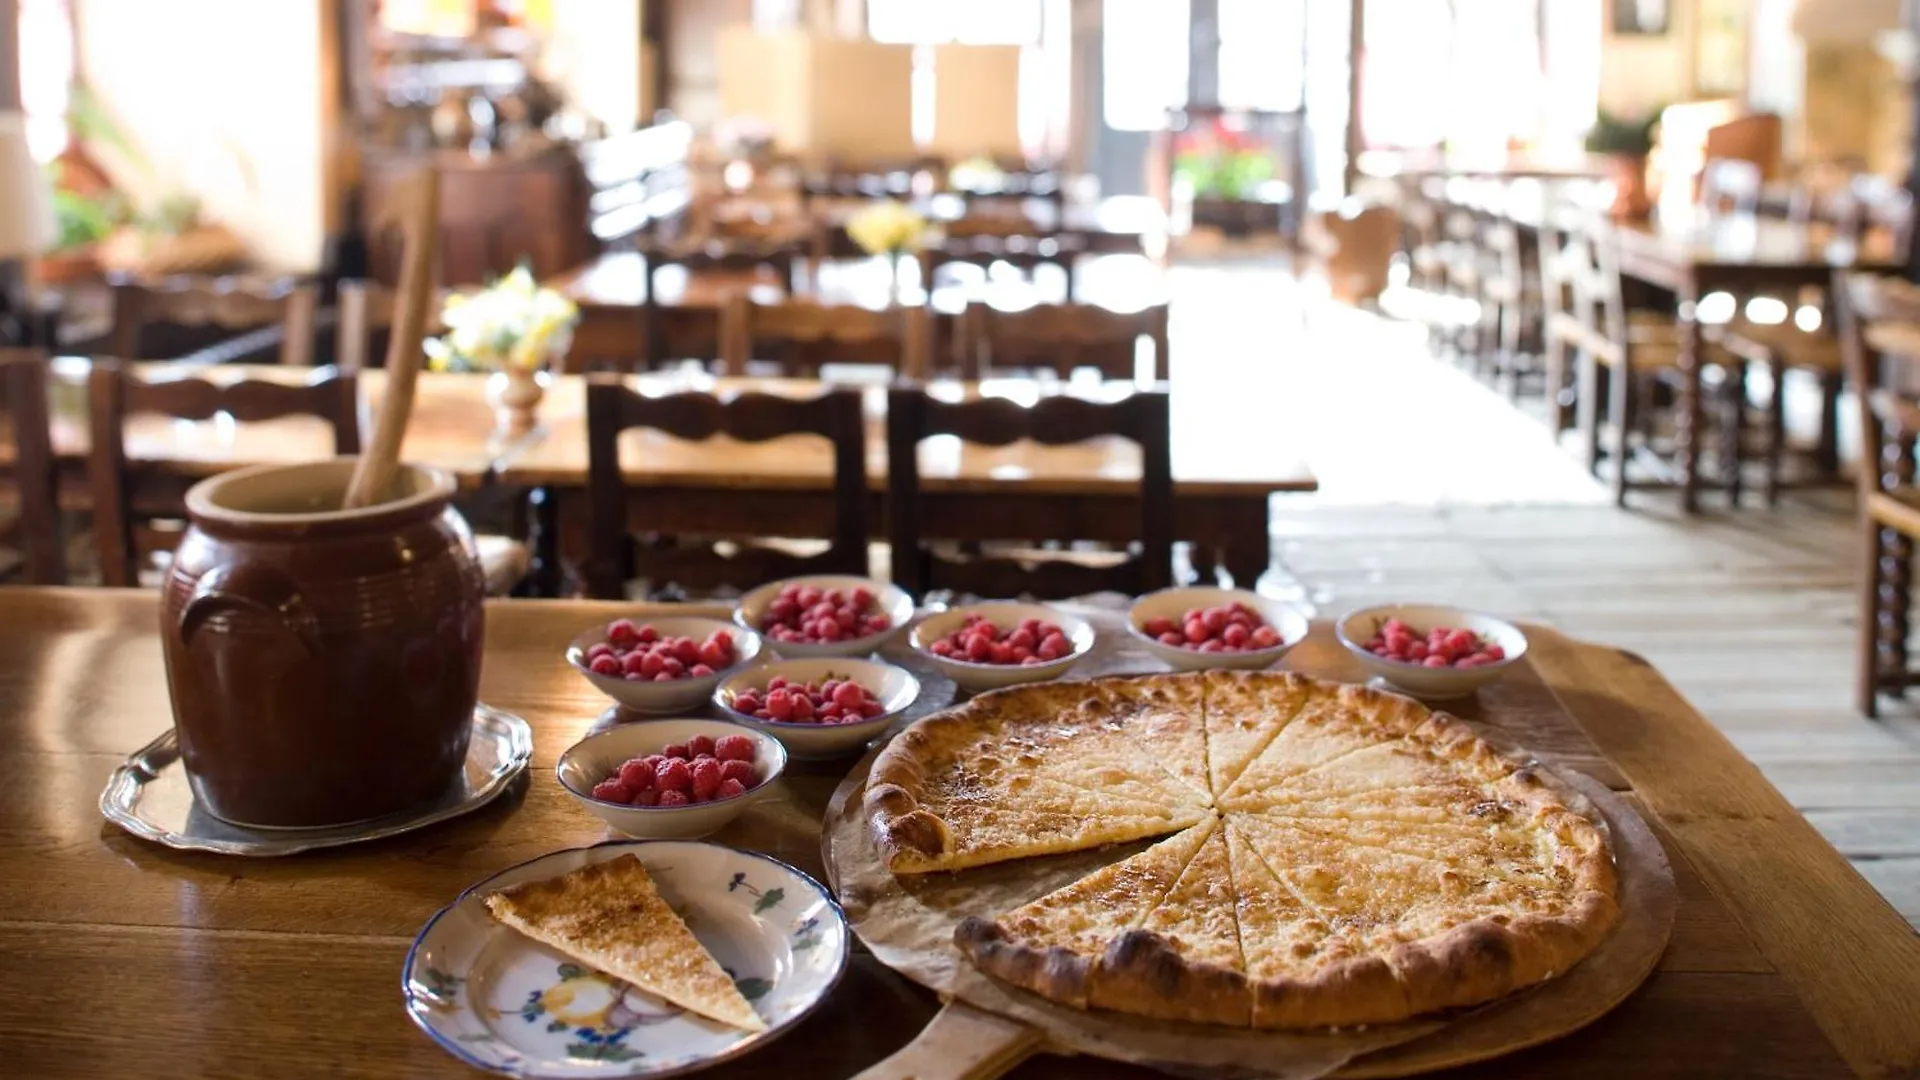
<point>373,477</point>
<point>961,1043</point>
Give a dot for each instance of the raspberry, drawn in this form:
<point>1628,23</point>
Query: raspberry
<point>1196,630</point>
<point>715,657</point>
<point>654,761</point>
<point>637,775</point>
<point>612,790</point>
<point>1053,647</point>
<point>1236,635</point>
<point>605,664</point>
<point>801,709</point>
<point>780,704</point>
<point>649,797</point>
<point>674,798</point>
<point>738,770</point>
<point>636,664</point>
<point>648,635</point>
<point>807,596</point>
<point>675,775</point>
<point>600,650</point>
<point>849,695</point>
<point>860,597</point>
<point>1263,637</point>
<point>622,634</point>
<point>730,788</point>
<point>699,671</point>
<point>733,748</point>
<point>871,708</point>
<point>700,746</point>
<point>676,750</point>
<point>746,701</point>
<point>706,779</point>
<point>651,664</point>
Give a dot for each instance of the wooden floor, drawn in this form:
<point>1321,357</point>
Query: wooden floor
<point>1435,488</point>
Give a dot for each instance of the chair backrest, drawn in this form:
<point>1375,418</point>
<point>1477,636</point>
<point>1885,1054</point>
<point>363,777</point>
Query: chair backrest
<point>801,336</point>
<point>913,416</point>
<point>114,393</point>
<point>366,318</point>
<point>834,415</point>
<point>672,334</point>
<point>218,306</point>
<point>23,381</point>
<point>1581,288</point>
<point>1878,322</point>
<point>1060,338</point>
<point>1730,186</point>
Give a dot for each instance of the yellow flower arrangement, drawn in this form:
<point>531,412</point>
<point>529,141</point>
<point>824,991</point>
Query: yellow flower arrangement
<point>887,228</point>
<point>512,323</point>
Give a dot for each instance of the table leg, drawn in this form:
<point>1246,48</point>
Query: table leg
<point>1246,550</point>
<point>544,529</point>
<point>1692,408</point>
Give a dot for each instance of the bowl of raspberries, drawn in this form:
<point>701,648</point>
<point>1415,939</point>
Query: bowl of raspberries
<point>825,615</point>
<point>988,646</point>
<point>665,664</point>
<point>671,779</point>
<point>819,709</point>
<point>1196,629</point>
<point>1429,650</point>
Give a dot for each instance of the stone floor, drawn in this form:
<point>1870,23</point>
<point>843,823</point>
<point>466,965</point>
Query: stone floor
<point>1435,487</point>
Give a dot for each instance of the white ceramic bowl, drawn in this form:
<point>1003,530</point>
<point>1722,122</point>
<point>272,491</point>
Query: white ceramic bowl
<point>1433,684</point>
<point>674,695</point>
<point>595,758</point>
<point>895,689</point>
<point>892,601</point>
<point>1173,603</point>
<point>975,678</point>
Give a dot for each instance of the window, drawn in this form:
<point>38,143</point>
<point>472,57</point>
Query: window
<point>46,74</point>
<point>1467,73</point>
<point>1262,55</point>
<point>1143,61</point>
<point>968,22</point>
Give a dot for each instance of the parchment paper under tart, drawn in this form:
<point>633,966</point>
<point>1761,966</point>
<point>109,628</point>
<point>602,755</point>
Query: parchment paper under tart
<point>908,923</point>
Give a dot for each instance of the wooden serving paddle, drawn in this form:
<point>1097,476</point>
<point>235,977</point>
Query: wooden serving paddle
<point>372,479</point>
<point>961,1042</point>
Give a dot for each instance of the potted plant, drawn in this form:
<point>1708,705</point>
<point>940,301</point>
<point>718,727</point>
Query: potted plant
<point>1626,144</point>
<point>514,328</point>
<point>1221,169</point>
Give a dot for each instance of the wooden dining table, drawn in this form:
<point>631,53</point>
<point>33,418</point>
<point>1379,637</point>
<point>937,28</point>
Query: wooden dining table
<point>1086,491</point>
<point>124,957</point>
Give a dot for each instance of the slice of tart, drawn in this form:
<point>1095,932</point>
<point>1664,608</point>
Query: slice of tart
<point>610,917</point>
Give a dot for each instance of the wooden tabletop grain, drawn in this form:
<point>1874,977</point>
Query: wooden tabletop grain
<point>120,955</point>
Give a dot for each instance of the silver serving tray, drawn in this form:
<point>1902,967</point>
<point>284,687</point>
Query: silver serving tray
<point>150,798</point>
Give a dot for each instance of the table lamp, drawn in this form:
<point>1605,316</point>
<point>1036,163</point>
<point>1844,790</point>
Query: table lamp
<point>26,224</point>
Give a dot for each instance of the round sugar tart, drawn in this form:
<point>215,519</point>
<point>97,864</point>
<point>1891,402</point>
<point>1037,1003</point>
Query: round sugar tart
<point>501,1001</point>
<point>1380,860</point>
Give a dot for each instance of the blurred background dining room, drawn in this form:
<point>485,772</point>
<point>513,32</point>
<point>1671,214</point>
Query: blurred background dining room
<point>1593,312</point>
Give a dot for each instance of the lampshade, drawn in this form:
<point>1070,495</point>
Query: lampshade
<point>26,204</point>
<point>1846,20</point>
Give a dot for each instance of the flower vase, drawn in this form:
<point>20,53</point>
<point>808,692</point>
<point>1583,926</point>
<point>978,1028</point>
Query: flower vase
<point>517,393</point>
<point>897,291</point>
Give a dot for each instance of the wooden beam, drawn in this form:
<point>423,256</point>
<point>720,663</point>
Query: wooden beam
<point>1356,63</point>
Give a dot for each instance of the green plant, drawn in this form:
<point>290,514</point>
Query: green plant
<point>80,220</point>
<point>1612,134</point>
<point>1224,173</point>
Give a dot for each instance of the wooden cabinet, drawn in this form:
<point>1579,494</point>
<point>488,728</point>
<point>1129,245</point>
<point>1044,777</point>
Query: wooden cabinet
<point>494,213</point>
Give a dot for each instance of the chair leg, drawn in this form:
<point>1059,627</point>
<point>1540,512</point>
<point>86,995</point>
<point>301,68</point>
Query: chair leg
<point>1776,429</point>
<point>1866,694</point>
<point>1891,601</point>
<point>1827,450</point>
<point>1733,406</point>
<point>1620,413</point>
<point>1556,365</point>
<point>1586,407</point>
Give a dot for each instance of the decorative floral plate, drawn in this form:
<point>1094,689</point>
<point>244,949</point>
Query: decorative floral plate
<point>502,1001</point>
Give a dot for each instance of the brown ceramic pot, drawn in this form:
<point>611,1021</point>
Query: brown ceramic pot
<point>324,663</point>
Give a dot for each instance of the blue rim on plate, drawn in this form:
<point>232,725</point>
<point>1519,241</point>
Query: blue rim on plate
<point>598,1050</point>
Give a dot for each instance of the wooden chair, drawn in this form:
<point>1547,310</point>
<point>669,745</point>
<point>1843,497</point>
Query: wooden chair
<point>800,336</point>
<point>1622,356</point>
<point>226,318</point>
<point>1061,338</point>
<point>366,318</point>
<point>673,334</point>
<point>36,525</point>
<point>913,416</point>
<point>983,240</point>
<point>1879,331</point>
<point>113,394</point>
<point>613,408</point>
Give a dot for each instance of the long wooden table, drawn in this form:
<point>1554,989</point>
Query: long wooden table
<point>123,957</point>
<point>1692,256</point>
<point>1087,491</point>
